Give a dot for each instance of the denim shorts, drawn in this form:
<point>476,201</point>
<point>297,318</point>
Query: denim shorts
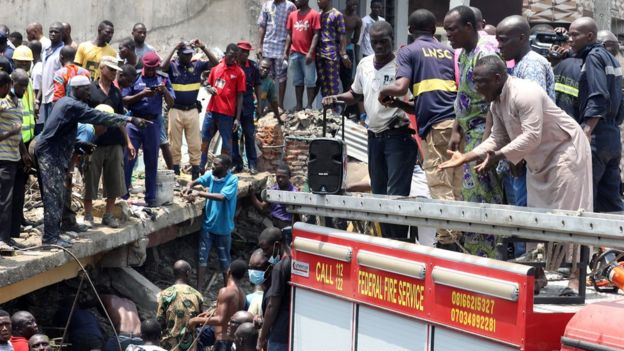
<point>302,74</point>
<point>223,245</point>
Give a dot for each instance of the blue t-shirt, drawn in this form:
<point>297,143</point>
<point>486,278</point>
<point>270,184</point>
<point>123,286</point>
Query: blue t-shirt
<point>219,215</point>
<point>147,107</point>
<point>428,64</point>
<point>186,80</point>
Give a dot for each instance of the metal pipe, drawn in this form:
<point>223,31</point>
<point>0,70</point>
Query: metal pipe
<point>586,345</point>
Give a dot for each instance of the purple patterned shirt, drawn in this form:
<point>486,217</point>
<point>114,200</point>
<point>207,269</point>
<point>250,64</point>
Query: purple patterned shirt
<point>332,29</point>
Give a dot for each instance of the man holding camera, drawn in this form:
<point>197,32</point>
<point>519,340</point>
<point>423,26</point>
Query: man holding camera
<point>185,78</point>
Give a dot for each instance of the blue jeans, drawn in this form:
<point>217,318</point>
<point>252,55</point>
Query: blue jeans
<point>149,139</point>
<point>224,124</point>
<point>249,135</point>
<point>391,161</point>
<point>515,189</point>
<point>223,244</point>
<point>302,74</point>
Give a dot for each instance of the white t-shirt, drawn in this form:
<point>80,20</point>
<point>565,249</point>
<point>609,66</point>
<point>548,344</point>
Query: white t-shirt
<point>6,347</point>
<point>37,72</point>
<point>365,45</point>
<point>368,82</point>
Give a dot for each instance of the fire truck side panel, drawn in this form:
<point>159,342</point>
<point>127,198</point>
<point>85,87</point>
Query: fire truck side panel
<point>379,330</point>
<point>321,322</point>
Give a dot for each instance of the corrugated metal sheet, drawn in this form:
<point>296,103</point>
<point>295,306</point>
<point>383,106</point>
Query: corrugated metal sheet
<point>558,11</point>
<point>356,138</point>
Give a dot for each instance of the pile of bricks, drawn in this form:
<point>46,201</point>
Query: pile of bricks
<point>270,140</point>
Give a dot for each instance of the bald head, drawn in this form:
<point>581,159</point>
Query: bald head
<point>606,35</point>
<point>237,319</point>
<point>585,25</point>
<point>479,17</point>
<point>513,34</point>
<point>609,41</point>
<point>34,31</point>
<point>583,32</point>
<point>181,269</point>
<point>246,337</point>
<point>514,24</point>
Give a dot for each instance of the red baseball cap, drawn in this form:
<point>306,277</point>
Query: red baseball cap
<point>151,60</point>
<point>245,45</point>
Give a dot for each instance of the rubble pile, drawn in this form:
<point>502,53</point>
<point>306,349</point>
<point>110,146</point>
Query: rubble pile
<point>270,141</point>
<point>290,142</point>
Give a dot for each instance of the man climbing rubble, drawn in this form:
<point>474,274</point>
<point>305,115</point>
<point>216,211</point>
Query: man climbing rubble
<point>55,146</point>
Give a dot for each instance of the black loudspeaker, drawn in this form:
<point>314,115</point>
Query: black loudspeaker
<point>327,166</point>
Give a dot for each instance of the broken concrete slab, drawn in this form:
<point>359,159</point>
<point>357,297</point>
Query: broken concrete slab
<point>136,287</point>
<point>38,267</point>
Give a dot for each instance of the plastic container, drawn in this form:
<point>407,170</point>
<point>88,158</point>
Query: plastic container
<point>165,183</point>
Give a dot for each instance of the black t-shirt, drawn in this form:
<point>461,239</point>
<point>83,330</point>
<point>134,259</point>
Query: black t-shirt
<point>113,135</point>
<point>280,279</point>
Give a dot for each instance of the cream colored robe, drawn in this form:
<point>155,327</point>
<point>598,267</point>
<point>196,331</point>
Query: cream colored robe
<point>528,125</point>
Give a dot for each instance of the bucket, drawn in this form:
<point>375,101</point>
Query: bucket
<point>165,183</point>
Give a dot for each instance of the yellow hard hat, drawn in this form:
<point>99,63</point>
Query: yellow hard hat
<point>22,53</point>
<point>105,108</point>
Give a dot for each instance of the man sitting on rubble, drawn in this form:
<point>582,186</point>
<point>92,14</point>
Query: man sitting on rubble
<point>267,92</point>
<point>176,306</point>
<point>280,217</point>
<point>24,326</point>
<point>125,317</point>
<point>231,299</point>
<point>221,196</point>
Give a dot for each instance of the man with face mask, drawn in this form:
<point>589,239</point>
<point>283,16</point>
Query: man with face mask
<point>91,52</point>
<point>260,278</point>
<point>221,194</point>
<point>277,298</point>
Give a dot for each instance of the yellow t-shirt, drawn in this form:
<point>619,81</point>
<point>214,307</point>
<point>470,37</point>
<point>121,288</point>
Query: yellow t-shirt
<point>89,55</point>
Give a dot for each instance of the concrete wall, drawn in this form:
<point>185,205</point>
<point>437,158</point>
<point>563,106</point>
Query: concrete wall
<point>216,22</point>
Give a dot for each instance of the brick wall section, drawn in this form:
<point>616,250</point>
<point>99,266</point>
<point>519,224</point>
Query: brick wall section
<point>290,143</point>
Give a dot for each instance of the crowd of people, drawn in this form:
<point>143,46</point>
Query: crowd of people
<point>255,320</point>
<point>495,122</point>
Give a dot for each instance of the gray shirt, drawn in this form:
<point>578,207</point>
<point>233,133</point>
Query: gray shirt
<point>51,64</point>
<point>140,52</point>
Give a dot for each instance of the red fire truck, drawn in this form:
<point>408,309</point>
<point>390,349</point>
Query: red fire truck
<point>358,292</point>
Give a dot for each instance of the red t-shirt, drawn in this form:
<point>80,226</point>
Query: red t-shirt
<point>19,343</point>
<point>302,28</point>
<point>229,81</point>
